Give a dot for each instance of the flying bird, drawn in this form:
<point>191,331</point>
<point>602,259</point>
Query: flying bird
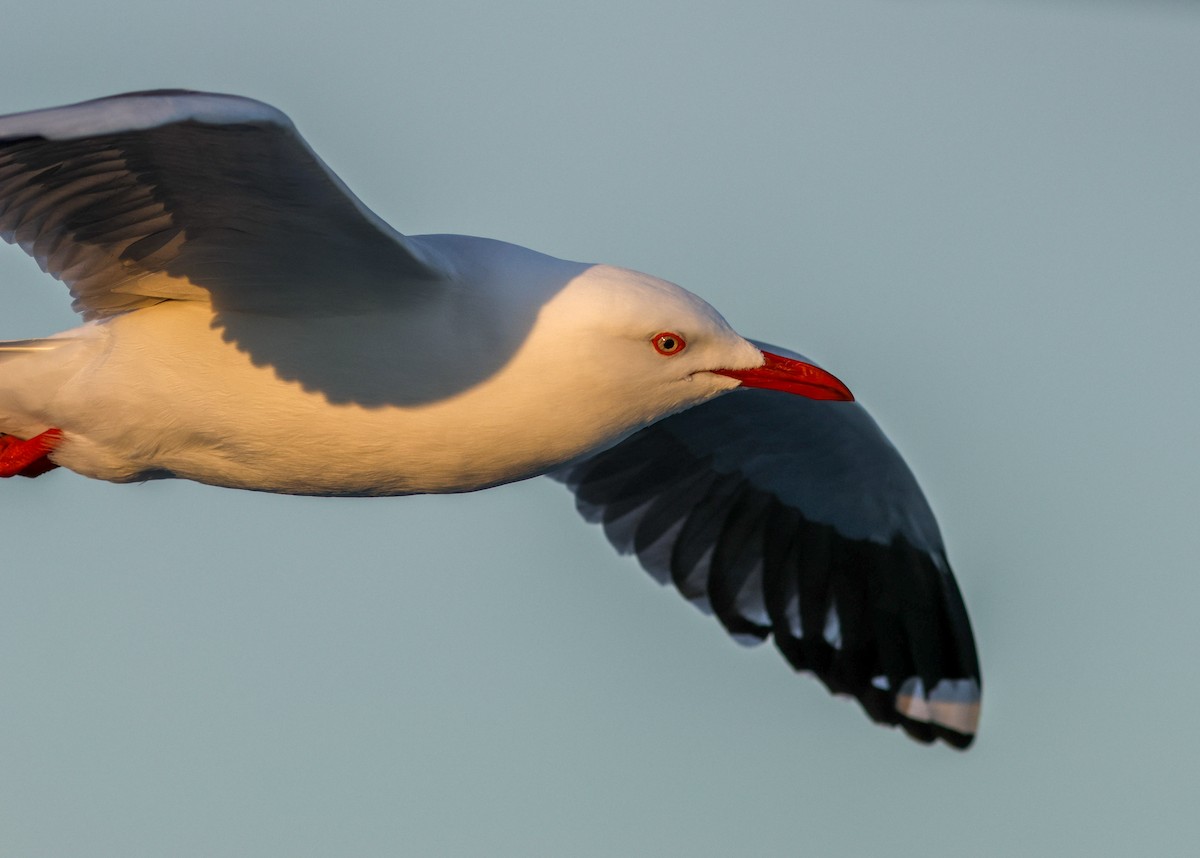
<point>248,322</point>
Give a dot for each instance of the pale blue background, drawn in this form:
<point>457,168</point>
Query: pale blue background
<point>985,216</point>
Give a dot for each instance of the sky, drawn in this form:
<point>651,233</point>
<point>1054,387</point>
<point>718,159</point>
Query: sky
<point>982,215</point>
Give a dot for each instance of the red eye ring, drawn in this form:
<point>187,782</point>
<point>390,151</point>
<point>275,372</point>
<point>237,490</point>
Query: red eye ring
<point>668,343</point>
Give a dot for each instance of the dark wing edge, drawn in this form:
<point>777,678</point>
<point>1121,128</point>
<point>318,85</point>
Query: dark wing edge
<point>876,617</point>
<point>171,194</point>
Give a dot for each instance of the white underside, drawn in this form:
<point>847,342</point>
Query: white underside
<point>160,392</point>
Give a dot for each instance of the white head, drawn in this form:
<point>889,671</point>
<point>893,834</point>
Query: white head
<point>617,350</point>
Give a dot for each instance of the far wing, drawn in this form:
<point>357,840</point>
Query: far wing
<point>139,198</point>
<point>798,520</point>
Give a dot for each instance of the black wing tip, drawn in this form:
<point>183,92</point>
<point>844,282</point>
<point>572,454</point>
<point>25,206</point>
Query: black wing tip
<point>927,734</point>
<point>884,623</point>
<point>942,708</point>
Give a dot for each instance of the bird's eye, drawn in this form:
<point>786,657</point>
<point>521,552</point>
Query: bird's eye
<point>668,343</point>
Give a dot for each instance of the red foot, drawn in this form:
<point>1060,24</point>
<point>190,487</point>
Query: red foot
<point>28,458</point>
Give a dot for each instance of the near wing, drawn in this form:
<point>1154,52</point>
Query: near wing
<point>138,198</point>
<point>798,520</point>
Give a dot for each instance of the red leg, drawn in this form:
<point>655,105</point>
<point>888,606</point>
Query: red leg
<point>28,458</point>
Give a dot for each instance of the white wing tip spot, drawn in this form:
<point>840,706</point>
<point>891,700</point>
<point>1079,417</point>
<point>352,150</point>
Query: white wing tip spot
<point>952,703</point>
<point>833,627</point>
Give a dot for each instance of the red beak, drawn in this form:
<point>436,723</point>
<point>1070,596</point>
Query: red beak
<point>791,376</point>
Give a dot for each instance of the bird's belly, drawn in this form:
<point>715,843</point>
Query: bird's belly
<point>171,397</point>
<point>292,441</point>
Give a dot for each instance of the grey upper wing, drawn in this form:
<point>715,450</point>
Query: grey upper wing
<point>138,198</point>
<point>798,520</point>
